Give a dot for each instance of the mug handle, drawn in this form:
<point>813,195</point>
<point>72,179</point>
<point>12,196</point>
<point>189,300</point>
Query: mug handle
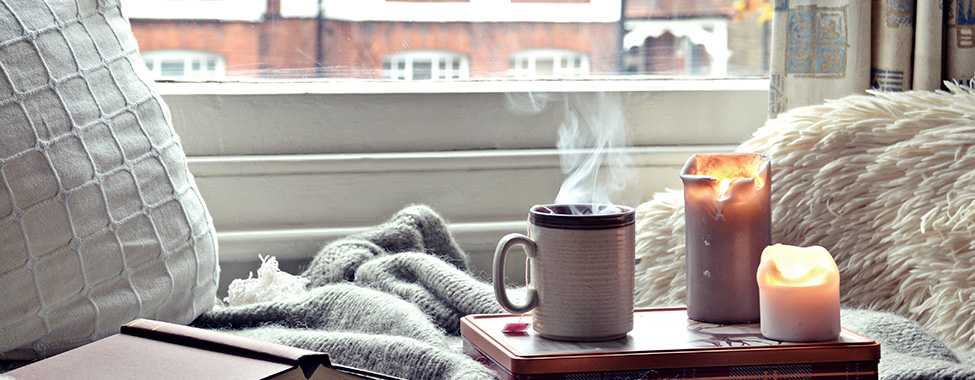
<point>500,293</point>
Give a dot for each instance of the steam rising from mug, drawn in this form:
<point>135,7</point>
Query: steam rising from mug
<point>591,141</point>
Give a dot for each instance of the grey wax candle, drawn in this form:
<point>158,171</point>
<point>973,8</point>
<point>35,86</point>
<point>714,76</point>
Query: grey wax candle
<point>727,225</point>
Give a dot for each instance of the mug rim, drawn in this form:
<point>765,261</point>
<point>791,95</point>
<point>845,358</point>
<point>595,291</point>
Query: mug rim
<point>538,216</point>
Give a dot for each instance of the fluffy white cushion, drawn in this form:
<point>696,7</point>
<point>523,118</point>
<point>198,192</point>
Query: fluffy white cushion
<point>100,221</point>
<point>886,182</point>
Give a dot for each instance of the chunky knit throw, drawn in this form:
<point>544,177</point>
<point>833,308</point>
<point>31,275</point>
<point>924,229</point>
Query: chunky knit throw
<point>387,300</point>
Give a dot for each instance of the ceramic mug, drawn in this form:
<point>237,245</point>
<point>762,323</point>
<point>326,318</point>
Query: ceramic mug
<point>581,262</point>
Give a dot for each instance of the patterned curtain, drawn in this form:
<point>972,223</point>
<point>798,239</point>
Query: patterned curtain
<point>827,49</point>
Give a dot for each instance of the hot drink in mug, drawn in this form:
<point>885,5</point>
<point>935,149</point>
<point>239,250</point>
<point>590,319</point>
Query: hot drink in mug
<point>581,263</point>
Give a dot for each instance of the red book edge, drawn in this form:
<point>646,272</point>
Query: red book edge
<point>217,341</point>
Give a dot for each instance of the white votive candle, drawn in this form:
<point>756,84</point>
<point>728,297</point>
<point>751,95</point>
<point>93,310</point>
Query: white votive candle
<point>799,294</point>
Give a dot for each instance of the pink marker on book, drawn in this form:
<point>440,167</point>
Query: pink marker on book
<point>518,327</point>
<point>515,327</point>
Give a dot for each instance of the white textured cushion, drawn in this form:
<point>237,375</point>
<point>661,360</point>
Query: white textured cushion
<point>100,221</point>
<point>886,182</point>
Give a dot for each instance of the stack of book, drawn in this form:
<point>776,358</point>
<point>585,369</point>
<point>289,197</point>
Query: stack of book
<point>664,343</point>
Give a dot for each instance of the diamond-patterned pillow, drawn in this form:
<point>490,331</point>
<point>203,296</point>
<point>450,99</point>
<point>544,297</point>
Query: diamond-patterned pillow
<point>100,221</point>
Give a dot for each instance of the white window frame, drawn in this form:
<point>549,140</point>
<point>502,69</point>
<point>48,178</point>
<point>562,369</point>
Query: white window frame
<point>523,64</point>
<point>286,167</point>
<point>155,58</point>
<point>392,63</point>
<point>711,33</point>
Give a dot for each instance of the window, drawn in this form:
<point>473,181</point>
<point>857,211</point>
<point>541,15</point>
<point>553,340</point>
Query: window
<point>424,65</point>
<point>181,64</point>
<point>681,47</point>
<point>548,63</point>
<point>484,39</point>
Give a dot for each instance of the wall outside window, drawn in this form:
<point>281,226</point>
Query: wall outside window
<point>351,39</point>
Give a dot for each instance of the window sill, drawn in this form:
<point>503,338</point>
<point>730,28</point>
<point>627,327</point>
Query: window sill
<point>471,86</point>
<point>381,117</point>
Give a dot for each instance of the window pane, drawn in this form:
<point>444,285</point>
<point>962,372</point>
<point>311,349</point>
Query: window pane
<point>421,70</point>
<point>544,68</point>
<point>171,68</point>
<point>184,64</point>
<point>425,64</point>
<point>467,39</point>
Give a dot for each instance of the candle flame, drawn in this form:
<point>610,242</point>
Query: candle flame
<point>795,271</point>
<point>724,186</point>
<point>725,169</point>
<point>784,265</point>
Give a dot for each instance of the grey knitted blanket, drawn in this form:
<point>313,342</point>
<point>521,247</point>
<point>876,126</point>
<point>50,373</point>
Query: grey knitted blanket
<point>388,300</point>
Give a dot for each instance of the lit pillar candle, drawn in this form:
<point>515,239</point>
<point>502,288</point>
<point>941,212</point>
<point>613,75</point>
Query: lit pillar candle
<point>728,223</point>
<point>799,294</point>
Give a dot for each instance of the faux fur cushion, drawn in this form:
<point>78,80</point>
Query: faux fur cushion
<point>885,181</point>
<point>100,220</point>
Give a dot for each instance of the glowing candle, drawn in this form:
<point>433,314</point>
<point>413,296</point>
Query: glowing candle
<point>728,223</point>
<point>799,294</point>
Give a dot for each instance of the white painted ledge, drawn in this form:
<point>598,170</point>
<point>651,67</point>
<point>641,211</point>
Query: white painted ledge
<point>273,204</point>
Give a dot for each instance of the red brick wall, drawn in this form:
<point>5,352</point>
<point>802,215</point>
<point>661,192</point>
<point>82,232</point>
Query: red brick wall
<point>236,41</point>
<point>289,45</point>
<point>356,49</point>
<point>487,45</point>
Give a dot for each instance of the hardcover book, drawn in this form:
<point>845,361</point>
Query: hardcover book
<point>148,349</point>
<point>664,343</point>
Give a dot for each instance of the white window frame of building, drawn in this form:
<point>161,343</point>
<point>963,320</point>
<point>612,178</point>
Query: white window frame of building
<point>194,64</point>
<point>711,33</point>
<point>565,63</point>
<point>444,65</point>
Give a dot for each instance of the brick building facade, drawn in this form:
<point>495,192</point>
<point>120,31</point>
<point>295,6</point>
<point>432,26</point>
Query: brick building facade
<point>373,39</point>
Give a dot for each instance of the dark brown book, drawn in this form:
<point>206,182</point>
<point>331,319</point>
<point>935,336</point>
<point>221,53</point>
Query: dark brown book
<point>664,343</point>
<point>147,349</point>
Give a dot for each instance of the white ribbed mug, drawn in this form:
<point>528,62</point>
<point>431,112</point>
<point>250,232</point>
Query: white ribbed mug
<point>581,265</point>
